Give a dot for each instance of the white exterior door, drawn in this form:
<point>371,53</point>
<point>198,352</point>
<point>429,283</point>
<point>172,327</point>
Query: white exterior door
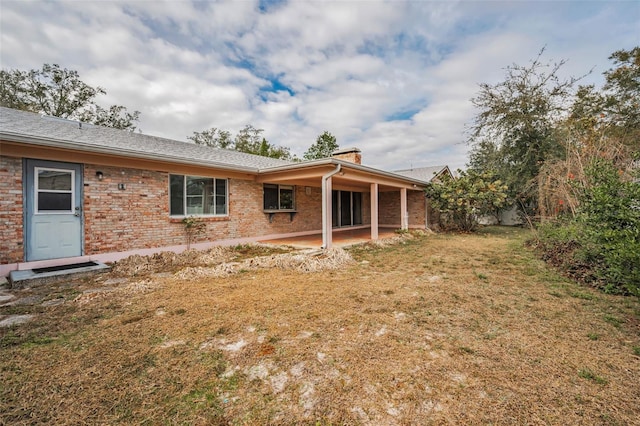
<point>53,210</point>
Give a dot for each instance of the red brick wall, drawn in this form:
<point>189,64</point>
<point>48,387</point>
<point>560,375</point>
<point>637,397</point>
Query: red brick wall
<point>416,207</point>
<point>138,217</point>
<point>248,218</point>
<point>389,208</point>
<point>11,214</point>
<point>133,218</point>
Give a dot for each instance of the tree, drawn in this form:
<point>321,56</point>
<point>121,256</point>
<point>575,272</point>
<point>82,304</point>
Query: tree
<point>602,124</point>
<point>461,200</point>
<point>248,140</point>
<point>116,116</point>
<point>272,151</point>
<point>251,141</point>
<point>61,93</point>
<point>213,137</point>
<point>592,195</point>
<point>323,148</point>
<point>513,133</point>
<point>622,95</point>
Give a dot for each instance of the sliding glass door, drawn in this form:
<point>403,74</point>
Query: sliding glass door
<point>346,208</point>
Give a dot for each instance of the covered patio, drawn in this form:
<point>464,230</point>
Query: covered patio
<point>341,238</point>
<point>358,203</point>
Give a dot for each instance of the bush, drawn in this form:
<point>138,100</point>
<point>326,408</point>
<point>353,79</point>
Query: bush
<point>461,200</point>
<point>601,245</point>
<point>561,245</point>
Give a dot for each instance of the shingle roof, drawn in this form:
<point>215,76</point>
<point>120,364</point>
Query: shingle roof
<point>422,173</point>
<point>85,137</point>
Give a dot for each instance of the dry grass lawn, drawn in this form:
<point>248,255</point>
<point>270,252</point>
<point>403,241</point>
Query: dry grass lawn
<point>437,329</point>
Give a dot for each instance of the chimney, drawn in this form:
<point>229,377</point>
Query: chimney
<point>348,154</point>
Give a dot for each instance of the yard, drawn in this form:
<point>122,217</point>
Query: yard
<point>435,329</point>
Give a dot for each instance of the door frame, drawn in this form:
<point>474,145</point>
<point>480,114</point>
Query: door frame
<point>29,202</point>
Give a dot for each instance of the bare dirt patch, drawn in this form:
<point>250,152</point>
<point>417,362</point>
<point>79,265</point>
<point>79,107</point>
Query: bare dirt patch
<point>167,262</point>
<point>435,329</point>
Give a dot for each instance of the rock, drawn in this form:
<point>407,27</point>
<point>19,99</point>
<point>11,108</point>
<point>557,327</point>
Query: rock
<point>53,302</point>
<point>12,320</point>
<point>5,297</point>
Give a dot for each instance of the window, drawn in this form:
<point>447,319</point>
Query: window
<point>54,190</point>
<point>197,196</point>
<point>279,197</point>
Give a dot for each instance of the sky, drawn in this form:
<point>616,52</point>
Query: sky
<point>392,78</point>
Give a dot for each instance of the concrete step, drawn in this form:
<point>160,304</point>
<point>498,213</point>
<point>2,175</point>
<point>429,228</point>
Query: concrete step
<point>39,276</point>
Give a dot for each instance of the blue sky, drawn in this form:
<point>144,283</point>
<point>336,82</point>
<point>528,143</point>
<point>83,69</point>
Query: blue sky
<point>394,79</point>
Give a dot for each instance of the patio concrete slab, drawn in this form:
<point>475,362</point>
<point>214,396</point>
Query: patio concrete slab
<point>341,238</point>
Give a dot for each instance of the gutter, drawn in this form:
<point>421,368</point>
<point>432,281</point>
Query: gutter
<point>325,201</point>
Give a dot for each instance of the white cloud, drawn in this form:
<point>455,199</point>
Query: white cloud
<point>352,66</point>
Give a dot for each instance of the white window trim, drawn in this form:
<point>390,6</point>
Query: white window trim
<point>185,196</point>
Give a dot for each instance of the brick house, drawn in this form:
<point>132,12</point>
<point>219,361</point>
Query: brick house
<point>72,192</point>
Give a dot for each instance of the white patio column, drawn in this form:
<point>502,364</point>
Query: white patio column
<point>374,211</point>
<point>327,226</point>
<point>404,215</point>
<point>327,219</point>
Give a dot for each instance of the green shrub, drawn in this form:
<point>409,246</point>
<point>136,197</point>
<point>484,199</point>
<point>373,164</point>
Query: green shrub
<point>561,245</point>
<point>461,200</point>
<point>601,245</point>
<point>610,213</point>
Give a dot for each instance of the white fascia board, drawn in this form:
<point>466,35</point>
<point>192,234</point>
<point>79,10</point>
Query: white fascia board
<point>345,164</point>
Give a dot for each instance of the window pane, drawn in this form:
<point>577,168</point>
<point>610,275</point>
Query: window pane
<point>54,180</point>
<point>194,205</point>
<point>208,201</point>
<point>221,196</point>
<point>221,187</point>
<point>221,205</point>
<point>195,195</point>
<point>195,185</point>
<point>50,201</point>
<point>286,197</point>
<point>176,194</point>
<point>270,197</point>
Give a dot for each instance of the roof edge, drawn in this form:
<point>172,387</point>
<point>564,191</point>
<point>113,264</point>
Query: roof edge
<point>66,144</point>
<point>343,163</point>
